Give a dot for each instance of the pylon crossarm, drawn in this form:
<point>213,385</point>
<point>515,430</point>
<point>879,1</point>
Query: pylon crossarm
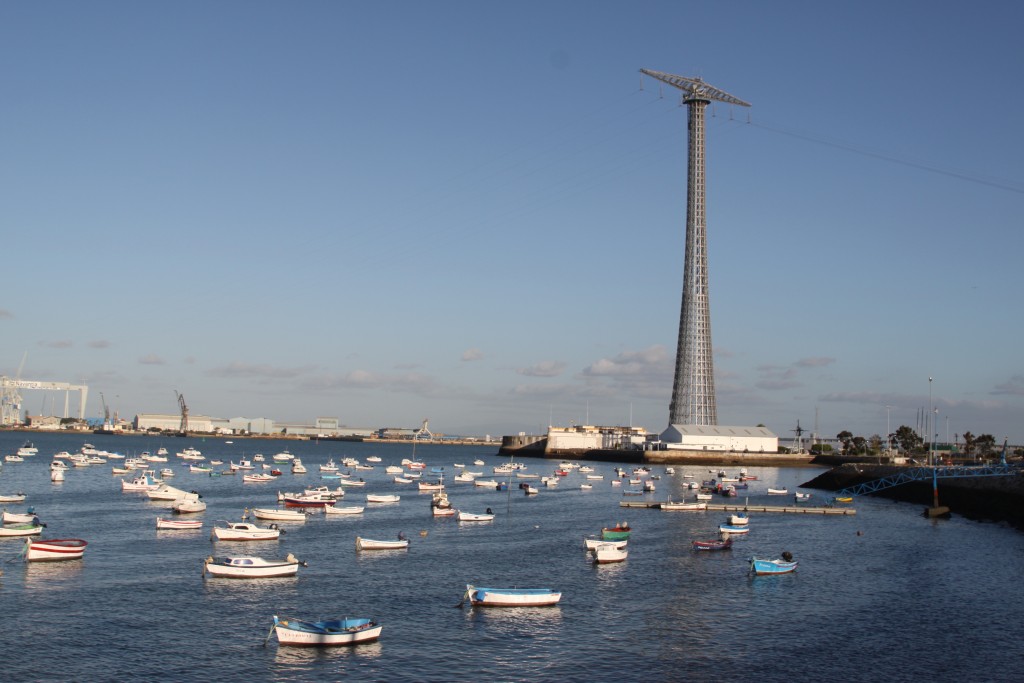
<point>695,88</point>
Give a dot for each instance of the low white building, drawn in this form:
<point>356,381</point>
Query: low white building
<point>581,438</point>
<point>719,438</point>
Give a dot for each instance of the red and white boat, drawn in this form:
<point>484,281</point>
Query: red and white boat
<point>178,523</point>
<point>316,501</point>
<point>54,549</point>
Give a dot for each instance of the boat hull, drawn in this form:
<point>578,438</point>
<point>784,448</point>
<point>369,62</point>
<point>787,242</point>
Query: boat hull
<point>512,597</point>
<point>769,567</point>
<point>325,633</point>
<point>371,544</point>
<point>177,524</point>
<point>55,550</point>
<point>269,570</point>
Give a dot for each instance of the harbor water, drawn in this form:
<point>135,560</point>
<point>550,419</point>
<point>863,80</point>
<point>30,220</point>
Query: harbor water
<point>882,595</point>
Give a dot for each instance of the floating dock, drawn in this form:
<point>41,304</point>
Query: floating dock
<point>741,507</point>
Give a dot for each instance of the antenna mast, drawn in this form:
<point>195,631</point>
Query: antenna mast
<point>693,390</point>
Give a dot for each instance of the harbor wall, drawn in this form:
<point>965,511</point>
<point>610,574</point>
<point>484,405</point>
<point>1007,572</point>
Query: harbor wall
<point>980,498</point>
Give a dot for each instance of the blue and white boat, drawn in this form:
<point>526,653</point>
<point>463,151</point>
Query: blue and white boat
<point>768,567</point>
<point>733,529</point>
<point>325,633</point>
<point>511,597</point>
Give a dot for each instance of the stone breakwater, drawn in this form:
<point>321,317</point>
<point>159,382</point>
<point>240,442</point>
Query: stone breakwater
<point>983,498</point>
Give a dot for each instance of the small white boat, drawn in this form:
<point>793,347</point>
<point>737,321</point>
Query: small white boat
<point>298,467</point>
<point>13,498</point>
<point>190,502</point>
<point>607,553</point>
<point>464,476</point>
<point>54,549</point>
<point>733,529</point>
<point>258,458</point>
<point>244,531</point>
<point>381,498</point>
<point>511,597</point>
<point>591,543</point>
<point>331,467</point>
<point>489,483</point>
<point>470,517</point>
<point>178,524</point>
<point>404,480</point>
<point>347,510</point>
<point>586,487</point>
<point>393,469</point>
<point>703,496</point>
<point>293,515</point>
<point>351,482</point>
<point>14,458</point>
<point>27,529</point>
<point>165,492</point>
<point>166,472</point>
<point>802,497</point>
<point>371,544</point>
<point>144,483</point>
<point>595,476</point>
<point>373,458</point>
<point>240,465</point>
<point>20,517</point>
<point>57,475</point>
<point>248,567</point>
<point>478,462</point>
<point>325,633</point>
<point>777,492</point>
<point>258,477</point>
<point>283,456</point>
<point>739,520</point>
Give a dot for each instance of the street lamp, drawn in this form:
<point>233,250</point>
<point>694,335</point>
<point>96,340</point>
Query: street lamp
<point>929,421</point>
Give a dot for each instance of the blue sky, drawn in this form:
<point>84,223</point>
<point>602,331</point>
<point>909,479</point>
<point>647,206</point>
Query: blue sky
<point>471,212</point>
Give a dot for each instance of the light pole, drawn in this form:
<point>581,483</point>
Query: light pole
<point>928,422</point>
<point>888,431</point>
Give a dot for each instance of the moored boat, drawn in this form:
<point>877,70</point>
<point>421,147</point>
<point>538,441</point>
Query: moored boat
<point>616,533</point>
<point>739,519</point>
<point>591,543</point>
<point>346,510</point>
<point>20,517</point>
<point>470,517</point>
<point>179,524</point>
<point>718,544</point>
<point>733,529</point>
<point>13,498</point>
<point>325,633</point>
<point>190,502</point>
<point>381,498</point>
<point>766,567</point>
<point>607,553</point>
<point>54,549</point>
<point>372,544</point>
<point>248,567</point>
<point>279,515</point>
<point>27,529</point>
<point>511,597</point>
<point>777,492</point>
<point>244,531</point>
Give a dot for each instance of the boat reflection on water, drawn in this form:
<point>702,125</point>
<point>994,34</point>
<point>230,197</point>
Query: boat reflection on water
<point>539,622</point>
<point>307,656</point>
<point>50,576</point>
<point>252,593</point>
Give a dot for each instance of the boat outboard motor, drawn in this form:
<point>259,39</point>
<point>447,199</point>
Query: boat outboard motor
<point>787,556</point>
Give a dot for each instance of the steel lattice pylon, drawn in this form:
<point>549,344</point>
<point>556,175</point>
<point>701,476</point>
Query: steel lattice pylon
<point>693,390</point>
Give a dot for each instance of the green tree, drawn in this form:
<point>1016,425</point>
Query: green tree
<point>968,444</point>
<point>907,439</point>
<point>986,444</point>
<point>844,437</point>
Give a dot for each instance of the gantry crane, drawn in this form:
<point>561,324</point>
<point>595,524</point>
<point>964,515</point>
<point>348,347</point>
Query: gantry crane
<point>183,428</point>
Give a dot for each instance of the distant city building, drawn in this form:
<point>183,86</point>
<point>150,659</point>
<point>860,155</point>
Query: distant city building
<point>144,422</point>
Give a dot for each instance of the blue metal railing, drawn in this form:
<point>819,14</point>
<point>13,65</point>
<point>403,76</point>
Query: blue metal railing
<point>933,473</point>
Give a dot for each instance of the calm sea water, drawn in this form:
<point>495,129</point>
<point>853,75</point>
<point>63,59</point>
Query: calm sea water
<point>884,595</point>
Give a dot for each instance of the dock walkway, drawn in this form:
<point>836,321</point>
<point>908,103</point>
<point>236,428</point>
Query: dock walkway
<point>741,507</point>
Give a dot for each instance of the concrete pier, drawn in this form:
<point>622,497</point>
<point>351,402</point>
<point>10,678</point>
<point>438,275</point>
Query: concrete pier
<point>741,507</point>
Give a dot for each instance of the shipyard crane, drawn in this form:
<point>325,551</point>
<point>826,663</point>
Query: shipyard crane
<point>183,428</point>
<point>106,411</point>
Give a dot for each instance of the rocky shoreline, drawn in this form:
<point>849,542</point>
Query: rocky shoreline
<point>998,499</point>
